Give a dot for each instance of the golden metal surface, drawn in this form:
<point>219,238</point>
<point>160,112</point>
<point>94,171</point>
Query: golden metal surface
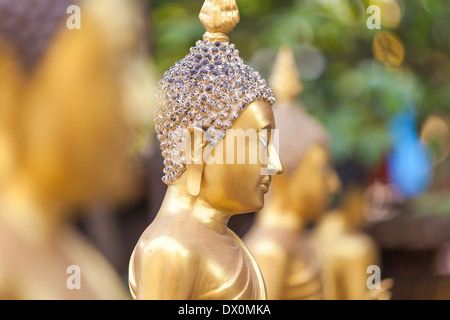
<point>347,252</point>
<point>219,17</point>
<point>285,79</point>
<point>188,252</point>
<point>290,267</point>
<point>66,139</point>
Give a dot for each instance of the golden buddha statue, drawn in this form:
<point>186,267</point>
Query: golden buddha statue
<point>277,239</point>
<point>188,252</point>
<point>347,251</point>
<point>63,142</point>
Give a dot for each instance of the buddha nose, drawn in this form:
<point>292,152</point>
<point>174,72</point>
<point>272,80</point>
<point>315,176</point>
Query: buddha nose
<point>274,166</point>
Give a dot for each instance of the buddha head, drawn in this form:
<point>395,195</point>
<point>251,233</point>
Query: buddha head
<point>67,127</point>
<point>213,116</point>
<point>309,179</point>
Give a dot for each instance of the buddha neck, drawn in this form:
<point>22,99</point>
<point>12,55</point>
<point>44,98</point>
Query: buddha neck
<point>333,223</point>
<point>341,220</point>
<point>277,214</point>
<point>352,208</point>
<point>178,202</point>
<point>27,213</point>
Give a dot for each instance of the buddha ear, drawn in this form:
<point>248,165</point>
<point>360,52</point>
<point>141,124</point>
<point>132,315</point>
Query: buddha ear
<point>195,143</point>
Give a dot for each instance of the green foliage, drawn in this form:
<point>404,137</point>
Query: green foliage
<point>351,93</point>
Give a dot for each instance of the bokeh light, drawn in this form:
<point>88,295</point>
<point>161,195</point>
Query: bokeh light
<point>390,12</point>
<point>388,48</point>
<point>435,134</point>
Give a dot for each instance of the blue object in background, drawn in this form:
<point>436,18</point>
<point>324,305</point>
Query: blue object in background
<point>409,163</point>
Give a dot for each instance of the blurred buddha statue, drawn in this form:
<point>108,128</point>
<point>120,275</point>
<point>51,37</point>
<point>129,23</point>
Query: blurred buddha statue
<point>63,142</point>
<point>277,239</point>
<point>188,252</point>
<point>347,251</point>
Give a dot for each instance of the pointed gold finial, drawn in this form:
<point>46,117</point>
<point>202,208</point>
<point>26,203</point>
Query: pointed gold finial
<point>219,17</point>
<point>285,79</point>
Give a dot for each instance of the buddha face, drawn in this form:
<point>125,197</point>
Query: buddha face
<point>311,186</point>
<point>237,185</point>
<point>73,126</point>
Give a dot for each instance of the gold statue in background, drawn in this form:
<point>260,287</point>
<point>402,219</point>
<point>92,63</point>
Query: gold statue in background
<point>290,267</point>
<point>188,252</point>
<point>347,252</point>
<point>63,142</point>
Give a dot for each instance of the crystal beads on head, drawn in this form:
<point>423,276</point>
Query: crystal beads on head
<point>208,89</point>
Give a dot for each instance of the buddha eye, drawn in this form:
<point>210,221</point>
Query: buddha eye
<point>264,142</point>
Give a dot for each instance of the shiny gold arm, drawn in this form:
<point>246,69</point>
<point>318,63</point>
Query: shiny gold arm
<point>272,260</point>
<point>168,273</point>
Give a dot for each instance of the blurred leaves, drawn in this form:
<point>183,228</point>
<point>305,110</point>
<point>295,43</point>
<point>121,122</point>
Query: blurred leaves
<point>344,86</point>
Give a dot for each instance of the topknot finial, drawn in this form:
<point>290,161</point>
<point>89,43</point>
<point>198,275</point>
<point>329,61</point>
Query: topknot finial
<point>285,79</point>
<point>219,17</point>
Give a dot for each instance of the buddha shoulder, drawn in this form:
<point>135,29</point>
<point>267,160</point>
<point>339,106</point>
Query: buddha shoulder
<point>166,234</point>
<point>178,237</point>
<point>352,246</point>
